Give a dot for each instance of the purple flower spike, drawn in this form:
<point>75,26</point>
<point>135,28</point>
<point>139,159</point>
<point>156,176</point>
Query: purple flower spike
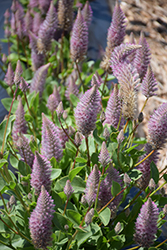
<point>105,188</point>
<point>79,39</point>
<point>24,150</point>
<point>53,100</point>
<point>68,189</point>
<point>28,22</point>
<point>41,173</point>
<point>19,125</point>
<point>91,185</point>
<point>87,110</point>
<point>38,80</point>
<point>72,88</point>
<point>18,72</point>
<point>144,167</point>
<point>149,84</point>
<point>44,5</point>
<point>51,144</point>
<point>33,3</point>
<point>23,85</point>
<point>96,79</point>
<point>104,157</point>
<point>113,110</point>
<point>142,57</point>
<point>47,30</point>
<point>37,21</point>
<point>157,127</point>
<point>40,222</point>
<point>115,37</point>
<point>88,217</point>
<point>87,13</point>
<point>9,77</point>
<point>146,224</point>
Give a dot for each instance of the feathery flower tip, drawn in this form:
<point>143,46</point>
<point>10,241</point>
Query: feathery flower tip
<point>104,156</point>
<point>146,224</point>
<point>149,84</point>
<point>40,222</point>
<point>68,189</point>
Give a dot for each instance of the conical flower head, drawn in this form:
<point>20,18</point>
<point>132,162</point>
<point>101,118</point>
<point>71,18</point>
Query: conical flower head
<point>51,144</point>
<point>65,14</point>
<point>68,189</point>
<point>41,173</point>
<point>23,85</point>
<point>24,150</point>
<point>104,157</point>
<point>87,110</point>
<point>96,80</point>
<point>18,72</point>
<point>79,39</point>
<point>146,224</point>
<point>40,222</point>
<point>105,188</point>
<point>87,13</point>
<point>19,125</point>
<point>38,80</point>
<point>37,21</point>
<point>142,57</point>
<point>115,36</point>
<point>149,84</point>
<point>157,127</point>
<point>9,77</point>
<point>53,100</point>
<point>91,185</point>
<point>113,110</point>
<point>89,216</point>
<point>72,88</point>
<point>28,21</point>
<point>144,167</point>
<point>47,29</point>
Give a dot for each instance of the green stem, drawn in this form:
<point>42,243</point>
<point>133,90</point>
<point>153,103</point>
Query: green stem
<point>157,189</point>
<point>104,84</point>
<point>98,189</point>
<point>3,202</point>
<point>145,158</point>
<point>3,143</point>
<point>10,246</point>
<point>79,74</point>
<point>65,207</point>
<point>126,125</point>
<point>144,104</point>
<point>25,52</point>
<point>132,248</point>
<point>87,146</point>
<point>75,159</point>
<point>161,243</point>
<point>61,52</point>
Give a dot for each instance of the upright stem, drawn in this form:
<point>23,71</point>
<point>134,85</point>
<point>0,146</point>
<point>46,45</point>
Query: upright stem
<point>75,159</point>
<point>79,73</point>
<point>65,206</point>
<point>87,146</point>
<point>104,84</point>
<point>158,189</point>
<point>126,125</point>
<point>25,52</point>
<point>98,189</point>
<point>144,104</point>
<point>161,243</point>
<point>3,143</point>
<point>145,158</point>
<point>61,52</point>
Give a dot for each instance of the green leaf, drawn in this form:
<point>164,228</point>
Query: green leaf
<point>165,177</point>
<point>115,189</point>
<point>60,221</point>
<point>95,158</point>
<point>154,172</point>
<point>3,184</point>
<point>135,174</point>
<point>112,147</point>
<point>80,159</point>
<point>119,238</point>
<point>74,216</point>
<point>74,172</point>
<point>56,172</point>
<point>24,169</point>
<point>7,103</point>
<point>74,99</point>
<point>2,162</point>
<point>78,184</point>
<point>105,216</point>
<point>2,129</point>
<point>34,102</point>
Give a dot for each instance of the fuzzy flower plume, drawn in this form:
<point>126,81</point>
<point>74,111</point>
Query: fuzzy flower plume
<point>87,110</point>
<point>65,14</point>
<point>89,216</point>
<point>23,85</point>
<point>142,57</point>
<point>51,144</point>
<point>115,37</point>
<point>149,84</point>
<point>96,79</point>
<point>104,157</point>
<point>129,81</point>
<point>146,224</point>
<point>9,77</point>
<point>28,20</point>
<point>79,39</point>
<point>37,59</point>
<point>40,222</point>
<point>24,150</point>
<point>120,56</point>
<point>68,189</point>
<point>113,110</point>
<point>157,127</point>
<point>19,125</point>
<point>37,21</point>
<point>41,173</point>
<point>72,88</point>
<point>87,13</point>
<point>92,185</point>
<point>144,167</point>
<point>105,188</point>
<point>53,100</point>
<point>38,80</point>
<point>47,30</point>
